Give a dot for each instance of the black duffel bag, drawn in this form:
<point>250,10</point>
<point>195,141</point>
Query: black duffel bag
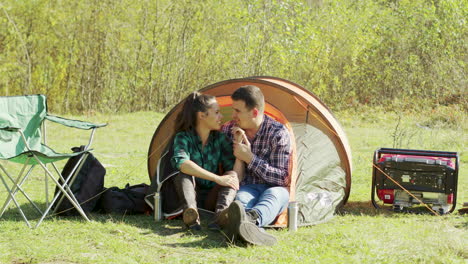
<point>130,200</point>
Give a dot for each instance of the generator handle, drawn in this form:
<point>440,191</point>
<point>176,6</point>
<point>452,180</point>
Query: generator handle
<point>429,153</point>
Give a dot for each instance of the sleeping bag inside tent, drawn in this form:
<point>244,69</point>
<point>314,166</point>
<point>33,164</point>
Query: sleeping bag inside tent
<point>320,171</point>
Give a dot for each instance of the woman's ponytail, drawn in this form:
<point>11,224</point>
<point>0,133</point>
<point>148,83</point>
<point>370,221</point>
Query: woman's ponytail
<point>187,118</point>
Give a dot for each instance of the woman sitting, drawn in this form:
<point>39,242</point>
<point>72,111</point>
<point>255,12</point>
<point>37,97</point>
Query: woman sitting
<point>200,151</point>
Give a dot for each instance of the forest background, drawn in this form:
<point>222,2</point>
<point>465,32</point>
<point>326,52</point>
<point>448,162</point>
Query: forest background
<point>125,56</point>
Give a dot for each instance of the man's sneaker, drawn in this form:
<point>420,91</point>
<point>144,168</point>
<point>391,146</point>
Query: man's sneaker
<point>190,218</point>
<point>236,215</point>
<point>255,235</point>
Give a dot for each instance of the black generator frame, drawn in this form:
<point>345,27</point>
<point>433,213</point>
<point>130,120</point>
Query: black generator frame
<point>412,152</point>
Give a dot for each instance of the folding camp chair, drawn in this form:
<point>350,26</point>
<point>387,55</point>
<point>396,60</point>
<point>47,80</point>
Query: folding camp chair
<point>22,140</point>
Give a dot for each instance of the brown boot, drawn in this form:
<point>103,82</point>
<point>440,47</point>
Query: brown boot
<point>219,221</point>
<point>191,219</point>
<point>223,218</point>
<point>185,187</point>
<point>225,197</point>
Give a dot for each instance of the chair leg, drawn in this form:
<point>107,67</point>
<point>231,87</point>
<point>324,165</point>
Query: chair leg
<point>62,189</point>
<point>24,193</point>
<point>46,188</point>
<point>11,191</point>
<point>46,181</point>
<point>15,202</point>
<point>17,187</point>
<point>70,179</point>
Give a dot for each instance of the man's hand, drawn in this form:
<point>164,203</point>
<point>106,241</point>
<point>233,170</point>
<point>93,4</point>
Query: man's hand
<point>242,149</point>
<point>237,133</point>
<point>229,179</point>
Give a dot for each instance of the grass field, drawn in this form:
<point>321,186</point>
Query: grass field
<point>359,234</point>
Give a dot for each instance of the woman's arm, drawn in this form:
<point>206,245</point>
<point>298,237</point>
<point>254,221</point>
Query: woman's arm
<point>191,168</point>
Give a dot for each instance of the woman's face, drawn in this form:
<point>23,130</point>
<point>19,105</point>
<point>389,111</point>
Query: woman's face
<point>212,118</point>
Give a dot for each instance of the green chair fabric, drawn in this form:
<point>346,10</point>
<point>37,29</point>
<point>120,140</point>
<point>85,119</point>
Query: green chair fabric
<point>27,114</point>
<point>21,140</point>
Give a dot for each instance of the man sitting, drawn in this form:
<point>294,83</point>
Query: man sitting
<point>264,145</point>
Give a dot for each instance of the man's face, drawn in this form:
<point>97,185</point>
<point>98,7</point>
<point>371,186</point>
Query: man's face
<point>243,117</point>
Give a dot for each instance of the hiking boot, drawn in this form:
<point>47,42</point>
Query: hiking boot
<point>252,234</point>
<point>252,216</point>
<point>213,226</point>
<point>191,218</point>
<point>195,227</point>
<point>222,218</point>
<point>255,235</point>
<point>235,215</point>
<point>219,221</point>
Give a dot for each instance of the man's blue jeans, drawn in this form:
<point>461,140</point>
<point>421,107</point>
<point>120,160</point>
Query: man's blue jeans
<point>268,201</point>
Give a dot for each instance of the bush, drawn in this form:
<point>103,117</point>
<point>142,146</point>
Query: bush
<point>129,55</point>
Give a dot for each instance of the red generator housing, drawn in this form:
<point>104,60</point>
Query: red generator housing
<point>430,176</point>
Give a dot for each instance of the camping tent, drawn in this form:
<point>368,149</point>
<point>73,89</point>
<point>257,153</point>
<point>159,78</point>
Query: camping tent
<point>321,165</point>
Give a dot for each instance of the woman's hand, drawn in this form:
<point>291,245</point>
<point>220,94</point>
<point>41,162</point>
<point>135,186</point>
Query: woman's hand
<point>229,179</point>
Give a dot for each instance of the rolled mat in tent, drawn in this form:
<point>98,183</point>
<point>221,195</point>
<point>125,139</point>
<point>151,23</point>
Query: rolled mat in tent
<point>321,165</point>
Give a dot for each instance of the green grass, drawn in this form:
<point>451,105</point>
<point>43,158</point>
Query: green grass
<point>359,234</point>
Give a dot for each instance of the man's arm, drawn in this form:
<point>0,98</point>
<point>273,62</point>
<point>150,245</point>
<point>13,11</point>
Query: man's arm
<point>228,160</point>
<point>274,168</point>
<point>239,168</point>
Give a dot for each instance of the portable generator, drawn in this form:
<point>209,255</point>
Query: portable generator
<point>404,178</point>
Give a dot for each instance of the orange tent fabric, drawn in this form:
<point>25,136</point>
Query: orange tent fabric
<point>322,163</point>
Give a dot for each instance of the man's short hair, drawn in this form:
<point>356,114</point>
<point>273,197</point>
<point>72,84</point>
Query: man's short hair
<point>251,95</point>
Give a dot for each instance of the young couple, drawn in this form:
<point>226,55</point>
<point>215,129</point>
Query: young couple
<point>239,170</point>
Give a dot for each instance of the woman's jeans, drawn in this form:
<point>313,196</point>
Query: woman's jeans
<point>268,201</point>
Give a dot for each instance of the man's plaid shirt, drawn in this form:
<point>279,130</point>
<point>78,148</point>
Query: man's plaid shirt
<point>217,152</point>
<point>271,148</point>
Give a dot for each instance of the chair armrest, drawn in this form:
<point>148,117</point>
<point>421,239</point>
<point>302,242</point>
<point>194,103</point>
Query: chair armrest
<point>73,123</point>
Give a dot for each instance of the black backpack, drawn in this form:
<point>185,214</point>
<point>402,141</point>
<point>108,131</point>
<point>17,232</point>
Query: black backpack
<point>130,200</point>
<point>87,186</point>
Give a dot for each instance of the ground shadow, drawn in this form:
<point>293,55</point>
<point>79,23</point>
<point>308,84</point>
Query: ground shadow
<point>13,214</point>
<point>361,208</point>
<point>204,238</point>
<point>367,208</point>
<point>207,238</point>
